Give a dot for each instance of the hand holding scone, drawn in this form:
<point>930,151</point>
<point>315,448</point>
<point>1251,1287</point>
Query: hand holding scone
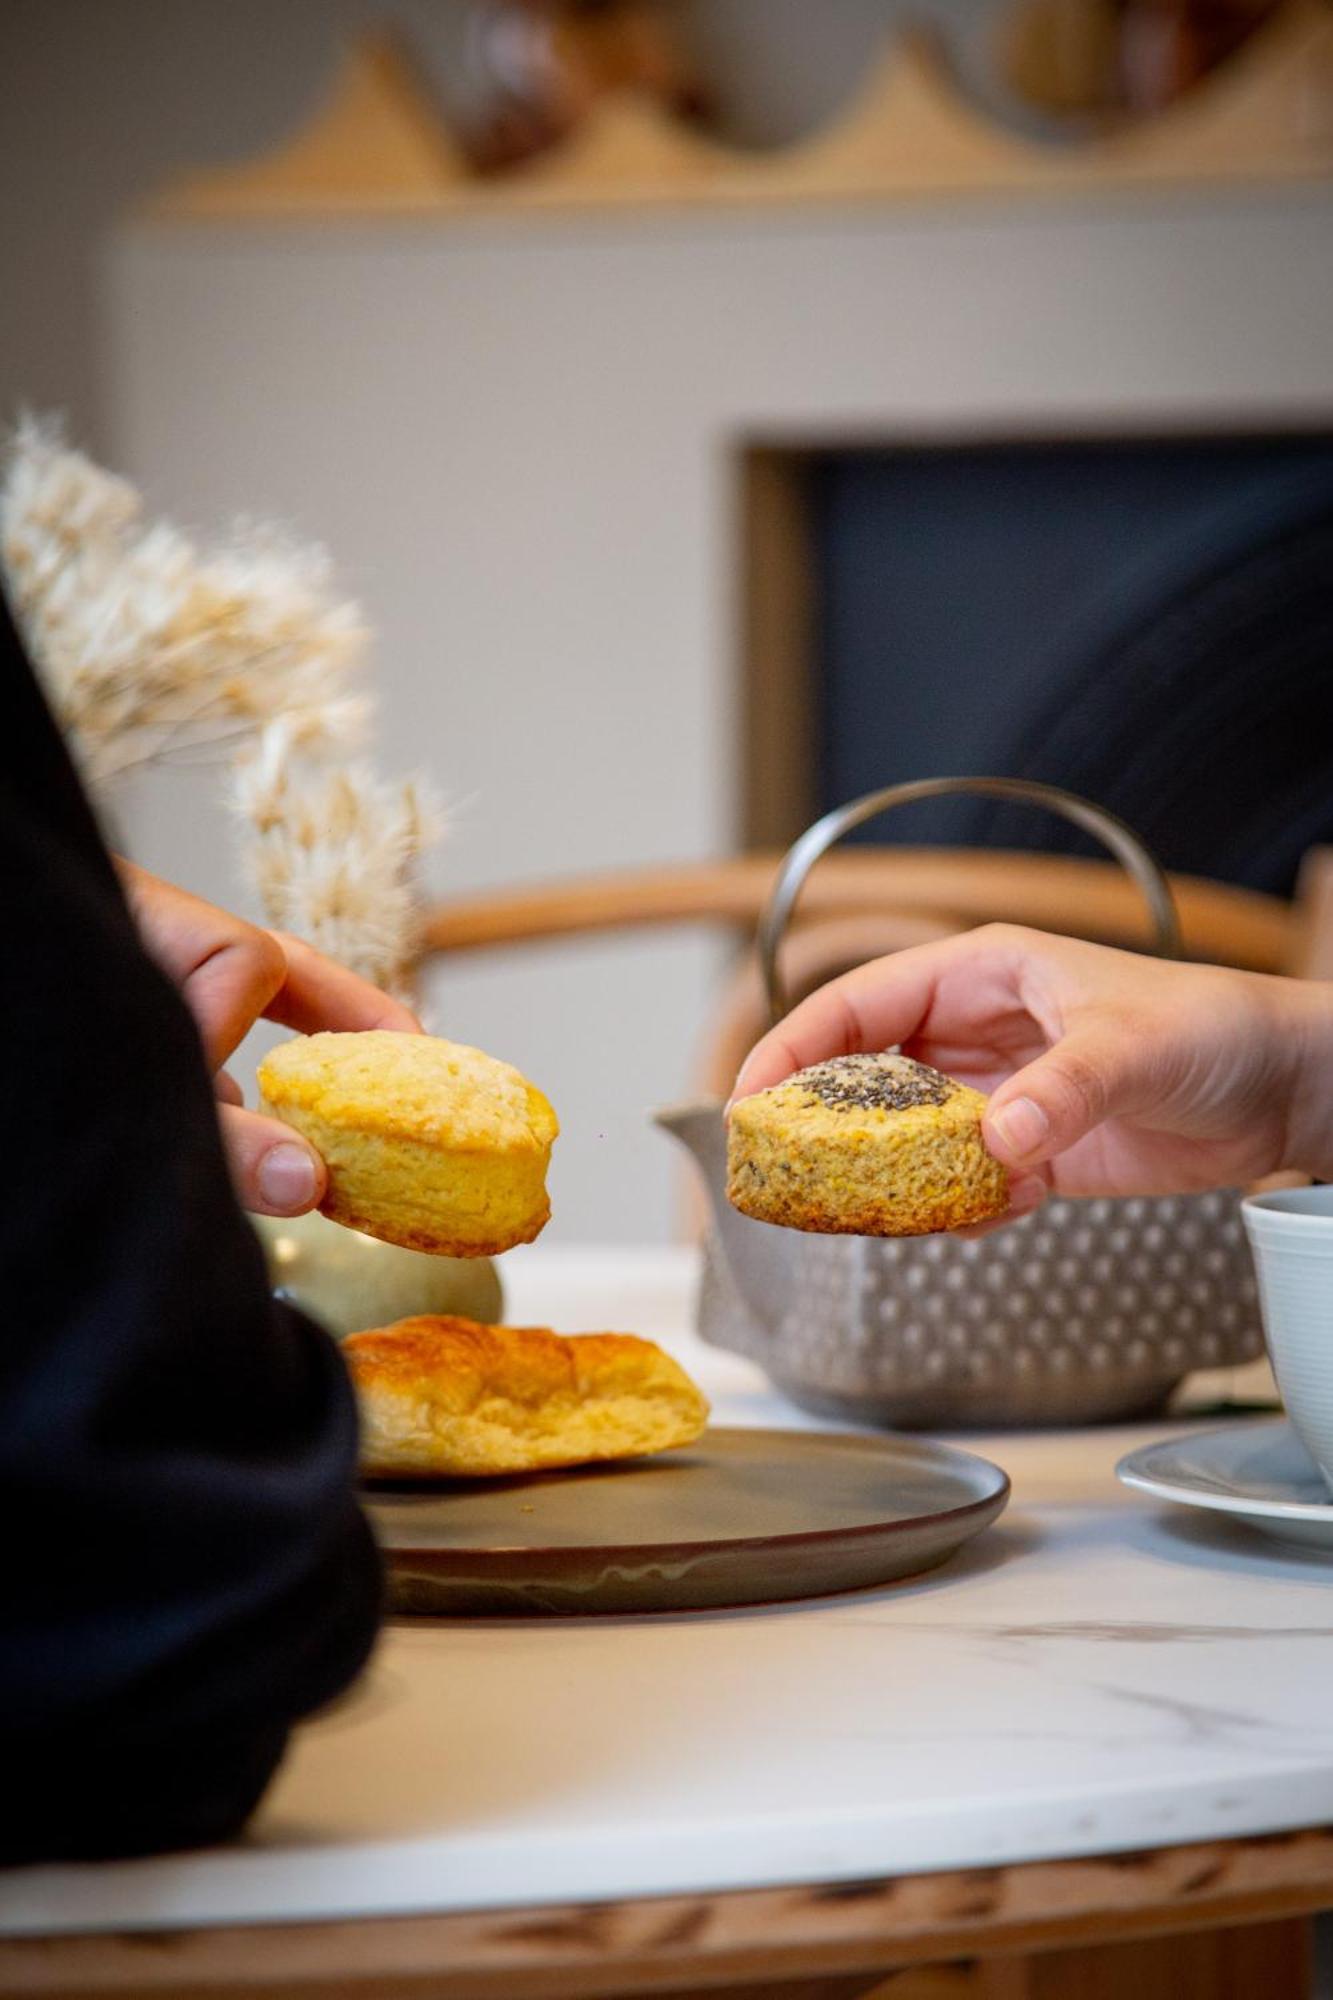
<point>1108,1073</point>
<point>231,974</point>
<point>427,1143</point>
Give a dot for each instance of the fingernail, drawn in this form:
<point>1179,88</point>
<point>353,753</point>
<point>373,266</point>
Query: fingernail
<point>288,1181</point>
<point>737,1088</point>
<point>1022,1126</point>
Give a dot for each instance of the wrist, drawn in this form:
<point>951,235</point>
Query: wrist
<point>1306,1023</point>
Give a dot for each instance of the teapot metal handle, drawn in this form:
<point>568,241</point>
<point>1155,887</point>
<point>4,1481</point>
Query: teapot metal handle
<point>801,857</point>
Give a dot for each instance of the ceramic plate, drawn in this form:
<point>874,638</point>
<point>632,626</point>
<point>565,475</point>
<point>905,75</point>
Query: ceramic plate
<point>743,1517</point>
<point>1261,1473</point>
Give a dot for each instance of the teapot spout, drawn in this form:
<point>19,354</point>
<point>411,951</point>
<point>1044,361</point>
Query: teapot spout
<point>747,1265</point>
<point>701,1129</point>
<point>698,1125</point>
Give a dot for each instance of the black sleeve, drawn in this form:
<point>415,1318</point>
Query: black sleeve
<point>185,1570</point>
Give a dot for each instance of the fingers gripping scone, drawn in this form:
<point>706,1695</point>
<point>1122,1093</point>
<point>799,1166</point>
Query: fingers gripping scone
<point>864,1145</point>
<point>448,1398</point>
<point>428,1143</point>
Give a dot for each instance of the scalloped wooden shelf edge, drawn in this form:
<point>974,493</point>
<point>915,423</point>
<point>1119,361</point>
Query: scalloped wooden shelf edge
<point>378,147</point>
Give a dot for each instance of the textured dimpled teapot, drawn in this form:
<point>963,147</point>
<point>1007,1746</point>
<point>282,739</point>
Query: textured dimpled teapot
<point>1086,1311</point>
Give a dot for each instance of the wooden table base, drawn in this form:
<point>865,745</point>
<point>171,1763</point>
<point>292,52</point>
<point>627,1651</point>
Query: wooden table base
<point>1252,1962</point>
<point>1221,1921</point>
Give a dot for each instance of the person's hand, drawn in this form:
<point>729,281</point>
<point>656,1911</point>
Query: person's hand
<point>230,974</point>
<point>1108,1073</point>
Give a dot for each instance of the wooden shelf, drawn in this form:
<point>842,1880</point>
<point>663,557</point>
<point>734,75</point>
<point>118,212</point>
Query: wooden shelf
<point>380,148</point>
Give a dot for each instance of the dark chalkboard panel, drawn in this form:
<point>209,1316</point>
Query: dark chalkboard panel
<point>1150,623</point>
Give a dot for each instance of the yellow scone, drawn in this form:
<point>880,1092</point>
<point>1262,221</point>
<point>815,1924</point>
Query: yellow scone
<point>446,1398</point>
<point>428,1143</point>
<point>865,1145</point>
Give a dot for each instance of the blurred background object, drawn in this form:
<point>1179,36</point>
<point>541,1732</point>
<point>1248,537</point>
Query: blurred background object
<point>1109,58</point>
<point>349,1281</point>
<point>541,66</point>
<point>882,442</point>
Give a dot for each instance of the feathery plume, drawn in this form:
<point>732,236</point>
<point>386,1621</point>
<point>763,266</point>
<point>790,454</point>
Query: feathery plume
<point>333,854</point>
<point>151,649</point>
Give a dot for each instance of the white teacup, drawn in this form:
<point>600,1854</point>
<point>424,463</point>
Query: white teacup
<point>1291,1235</point>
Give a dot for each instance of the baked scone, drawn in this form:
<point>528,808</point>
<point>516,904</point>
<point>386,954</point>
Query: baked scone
<point>444,1398</point>
<point>428,1143</point>
<point>865,1145</point>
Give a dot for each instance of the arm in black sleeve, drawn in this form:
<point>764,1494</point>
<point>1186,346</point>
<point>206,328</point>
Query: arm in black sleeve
<point>186,1569</point>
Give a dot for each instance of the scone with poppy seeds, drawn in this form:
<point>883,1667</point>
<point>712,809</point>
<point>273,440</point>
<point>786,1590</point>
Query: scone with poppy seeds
<point>428,1143</point>
<point>444,1398</point>
<point>864,1145</point>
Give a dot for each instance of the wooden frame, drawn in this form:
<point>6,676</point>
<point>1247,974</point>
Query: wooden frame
<point>777,647</point>
<point>1033,1932</point>
<point>379,147</point>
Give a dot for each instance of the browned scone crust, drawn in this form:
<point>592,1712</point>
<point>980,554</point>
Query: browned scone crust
<point>447,1398</point>
<point>864,1145</point>
<point>438,1241</point>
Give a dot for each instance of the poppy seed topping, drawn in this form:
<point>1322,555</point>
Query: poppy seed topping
<point>874,1083</point>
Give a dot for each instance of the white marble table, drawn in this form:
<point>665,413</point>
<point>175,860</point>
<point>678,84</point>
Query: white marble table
<point>1092,1675</point>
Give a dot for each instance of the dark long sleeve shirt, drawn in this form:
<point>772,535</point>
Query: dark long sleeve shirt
<point>185,1571</point>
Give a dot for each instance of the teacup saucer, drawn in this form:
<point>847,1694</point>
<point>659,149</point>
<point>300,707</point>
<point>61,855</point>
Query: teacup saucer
<point>1259,1472</point>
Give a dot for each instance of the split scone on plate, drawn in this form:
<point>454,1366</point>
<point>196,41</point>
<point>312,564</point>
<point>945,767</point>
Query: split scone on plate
<point>428,1144</point>
<point>864,1145</point>
<point>444,1398</point>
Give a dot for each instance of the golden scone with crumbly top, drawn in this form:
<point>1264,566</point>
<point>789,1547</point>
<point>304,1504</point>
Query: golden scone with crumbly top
<point>864,1145</point>
<point>429,1144</point>
<point>447,1398</point>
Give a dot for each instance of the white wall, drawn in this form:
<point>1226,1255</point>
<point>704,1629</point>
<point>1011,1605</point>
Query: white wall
<point>102,100</point>
<point>520,439</point>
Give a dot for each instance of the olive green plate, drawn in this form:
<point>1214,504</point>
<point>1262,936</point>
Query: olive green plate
<point>742,1517</point>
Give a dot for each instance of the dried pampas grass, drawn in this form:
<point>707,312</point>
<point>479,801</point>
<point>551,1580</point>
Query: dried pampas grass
<point>152,650</point>
<point>334,854</point>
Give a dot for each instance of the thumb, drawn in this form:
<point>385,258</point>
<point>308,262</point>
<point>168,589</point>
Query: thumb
<point>273,1170</point>
<point>1091,1074</point>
